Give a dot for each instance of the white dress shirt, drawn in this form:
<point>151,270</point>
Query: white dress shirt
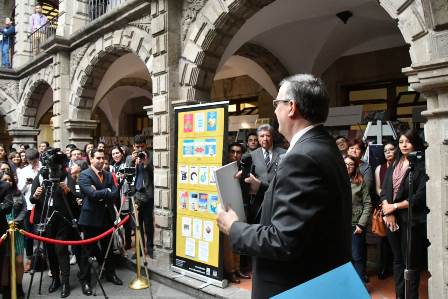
<point>27,172</point>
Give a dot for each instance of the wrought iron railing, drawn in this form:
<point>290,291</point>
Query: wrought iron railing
<point>39,36</point>
<point>98,8</point>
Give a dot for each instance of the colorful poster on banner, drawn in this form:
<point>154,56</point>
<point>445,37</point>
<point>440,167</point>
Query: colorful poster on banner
<point>200,151</point>
<point>188,122</point>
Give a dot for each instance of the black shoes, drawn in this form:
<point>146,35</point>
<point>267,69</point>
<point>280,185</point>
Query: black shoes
<point>54,286</point>
<point>65,290</point>
<point>86,290</point>
<point>233,278</point>
<point>242,275</point>
<point>114,279</point>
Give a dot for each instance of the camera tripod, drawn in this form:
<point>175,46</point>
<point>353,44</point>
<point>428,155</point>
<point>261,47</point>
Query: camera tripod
<point>50,185</point>
<point>139,282</point>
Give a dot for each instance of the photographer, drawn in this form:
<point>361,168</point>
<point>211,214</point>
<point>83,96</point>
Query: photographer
<point>144,188</point>
<point>25,179</point>
<point>54,198</point>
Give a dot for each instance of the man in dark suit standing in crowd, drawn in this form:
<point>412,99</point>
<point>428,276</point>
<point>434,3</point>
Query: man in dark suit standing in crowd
<point>305,224</point>
<point>97,215</point>
<point>265,159</point>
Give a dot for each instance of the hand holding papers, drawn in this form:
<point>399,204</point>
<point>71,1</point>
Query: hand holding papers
<point>229,189</point>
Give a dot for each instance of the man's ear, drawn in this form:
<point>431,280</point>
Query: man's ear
<point>293,109</point>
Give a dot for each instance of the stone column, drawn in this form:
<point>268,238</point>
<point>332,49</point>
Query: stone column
<point>25,136</point>
<point>165,34</point>
<point>22,48</point>
<point>432,80</point>
<point>74,18</point>
<point>61,95</point>
<point>79,131</point>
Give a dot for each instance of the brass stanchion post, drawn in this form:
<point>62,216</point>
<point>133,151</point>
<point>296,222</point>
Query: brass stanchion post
<point>139,282</point>
<point>12,243</point>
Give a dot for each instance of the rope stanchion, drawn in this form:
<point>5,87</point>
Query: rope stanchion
<point>3,238</point>
<point>78,242</point>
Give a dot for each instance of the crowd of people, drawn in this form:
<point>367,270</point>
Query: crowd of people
<point>70,194</point>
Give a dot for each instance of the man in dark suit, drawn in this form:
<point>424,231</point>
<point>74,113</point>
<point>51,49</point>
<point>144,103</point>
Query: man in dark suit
<point>265,160</point>
<point>97,215</point>
<point>305,224</point>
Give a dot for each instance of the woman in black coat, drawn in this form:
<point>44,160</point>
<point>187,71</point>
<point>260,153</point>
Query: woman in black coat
<point>395,203</point>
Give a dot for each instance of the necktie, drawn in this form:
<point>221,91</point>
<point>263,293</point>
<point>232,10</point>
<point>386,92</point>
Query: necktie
<point>100,176</point>
<point>267,160</point>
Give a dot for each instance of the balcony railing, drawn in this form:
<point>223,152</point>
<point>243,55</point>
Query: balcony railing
<point>98,8</point>
<point>38,37</point>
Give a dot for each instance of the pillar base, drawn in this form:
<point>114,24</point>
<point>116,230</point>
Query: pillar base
<point>24,136</point>
<point>80,130</point>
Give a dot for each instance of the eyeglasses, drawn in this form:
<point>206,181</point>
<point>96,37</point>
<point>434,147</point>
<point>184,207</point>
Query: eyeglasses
<point>389,150</point>
<point>275,102</point>
<point>350,164</point>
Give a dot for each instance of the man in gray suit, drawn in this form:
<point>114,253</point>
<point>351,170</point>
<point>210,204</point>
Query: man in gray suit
<point>305,223</point>
<point>265,159</point>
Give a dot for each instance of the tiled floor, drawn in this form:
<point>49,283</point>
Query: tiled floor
<point>378,289</point>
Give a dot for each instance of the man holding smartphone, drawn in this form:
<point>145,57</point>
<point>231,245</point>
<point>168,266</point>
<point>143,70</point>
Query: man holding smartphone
<point>25,178</point>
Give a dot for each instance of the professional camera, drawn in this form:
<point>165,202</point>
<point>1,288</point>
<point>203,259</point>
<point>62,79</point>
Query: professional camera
<point>142,155</point>
<point>54,163</point>
<point>128,172</point>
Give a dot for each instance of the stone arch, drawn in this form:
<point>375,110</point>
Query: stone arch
<point>33,92</point>
<point>212,27</point>
<point>8,108</point>
<point>264,58</point>
<point>97,58</point>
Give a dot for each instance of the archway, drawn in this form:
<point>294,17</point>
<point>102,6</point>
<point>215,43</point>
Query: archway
<point>307,37</point>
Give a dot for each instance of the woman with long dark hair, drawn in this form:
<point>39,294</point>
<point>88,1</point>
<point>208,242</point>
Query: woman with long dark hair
<point>395,202</point>
<point>17,215</point>
<point>361,209</point>
<point>118,164</point>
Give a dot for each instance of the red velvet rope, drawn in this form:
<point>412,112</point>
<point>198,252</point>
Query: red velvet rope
<point>78,242</point>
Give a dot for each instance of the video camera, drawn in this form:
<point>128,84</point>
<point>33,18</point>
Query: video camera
<point>54,163</point>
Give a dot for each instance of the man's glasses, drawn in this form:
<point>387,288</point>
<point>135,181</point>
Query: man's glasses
<point>275,102</point>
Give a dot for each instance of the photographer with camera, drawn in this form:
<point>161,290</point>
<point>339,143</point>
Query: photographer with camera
<point>25,178</point>
<point>141,159</point>
<point>97,215</point>
<point>54,197</point>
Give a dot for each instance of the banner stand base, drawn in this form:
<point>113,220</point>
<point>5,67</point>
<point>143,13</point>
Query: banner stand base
<point>208,281</point>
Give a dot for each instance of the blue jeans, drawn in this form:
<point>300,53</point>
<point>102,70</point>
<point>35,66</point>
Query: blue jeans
<point>5,55</point>
<point>359,253</point>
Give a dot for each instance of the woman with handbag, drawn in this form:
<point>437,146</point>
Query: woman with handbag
<point>395,203</point>
<point>361,209</point>
<point>385,265</point>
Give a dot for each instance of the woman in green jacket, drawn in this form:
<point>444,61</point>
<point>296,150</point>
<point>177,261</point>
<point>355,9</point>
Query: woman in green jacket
<point>361,209</point>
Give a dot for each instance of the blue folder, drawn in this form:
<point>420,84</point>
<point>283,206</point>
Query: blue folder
<point>342,282</point>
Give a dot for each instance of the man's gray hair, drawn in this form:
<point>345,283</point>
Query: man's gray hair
<point>265,127</point>
<point>310,95</point>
